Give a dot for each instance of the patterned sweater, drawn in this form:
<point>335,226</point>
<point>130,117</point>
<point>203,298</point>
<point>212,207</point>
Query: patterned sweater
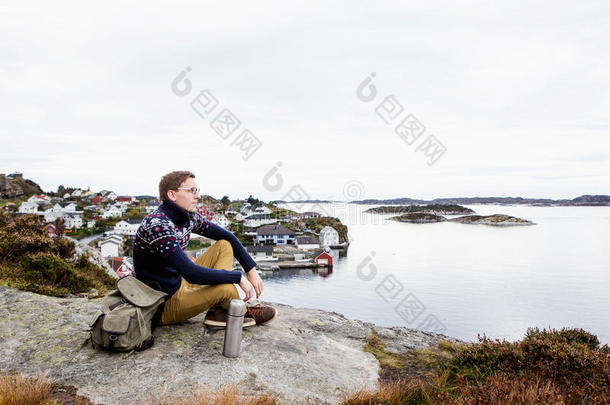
<point>158,249</point>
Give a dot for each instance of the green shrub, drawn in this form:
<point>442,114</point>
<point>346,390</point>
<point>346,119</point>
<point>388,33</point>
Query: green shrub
<point>54,271</point>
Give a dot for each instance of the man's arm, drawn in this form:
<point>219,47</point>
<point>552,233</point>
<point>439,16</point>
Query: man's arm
<point>213,231</point>
<point>160,236</point>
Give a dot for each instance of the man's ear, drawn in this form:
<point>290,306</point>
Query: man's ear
<point>171,194</point>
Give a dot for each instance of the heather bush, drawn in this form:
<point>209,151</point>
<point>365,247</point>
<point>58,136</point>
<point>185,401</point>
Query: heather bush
<point>565,366</point>
<point>32,260</point>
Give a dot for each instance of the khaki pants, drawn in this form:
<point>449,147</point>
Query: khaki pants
<point>192,299</point>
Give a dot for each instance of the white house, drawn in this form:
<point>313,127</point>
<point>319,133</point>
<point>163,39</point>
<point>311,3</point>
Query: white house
<point>127,227</point>
<point>28,208</point>
<point>77,193</point>
<point>108,195</point>
<point>51,216</point>
<point>278,234</point>
<point>152,205</point>
<point>67,195</point>
<point>256,220</point>
<point>110,245</point>
<point>261,209</point>
<point>91,224</point>
<point>221,220</point>
<point>307,243</point>
<point>64,207</point>
<point>39,199</point>
<point>328,236</point>
<point>112,211</point>
<point>72,220</point>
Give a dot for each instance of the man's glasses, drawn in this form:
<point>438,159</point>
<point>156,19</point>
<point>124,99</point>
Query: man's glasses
<point>193,190</point>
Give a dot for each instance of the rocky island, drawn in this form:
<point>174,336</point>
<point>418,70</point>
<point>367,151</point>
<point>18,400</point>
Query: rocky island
<point>434,209</point>
<point>419,218</point>
<point>495,220</point>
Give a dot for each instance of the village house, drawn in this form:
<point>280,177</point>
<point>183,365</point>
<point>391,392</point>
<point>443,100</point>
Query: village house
<point>256,220</point>
<point>260,209</point>
<point>112,211</point>
<point>64,207</point>
<point>278,234</point>
<point>108,195</point>
<point>72,220</point>
<point>50,215</point>
<point>28,208</point>
<point>109,246</point>
<point>261,252</point>
<point>221,220</point>
<point>77,193</point>
<point>39,199</point>
<point>328,237</point>
<point>152,205</point>
<point>322,258</point>
<point>125,199</point>
<point>9,206</point>
<point>127,227</point>
<point>50,229</point>
<point>306,215</point>
<point>307,243</point>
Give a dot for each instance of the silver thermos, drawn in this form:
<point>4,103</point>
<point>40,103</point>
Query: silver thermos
<point>235,322</point>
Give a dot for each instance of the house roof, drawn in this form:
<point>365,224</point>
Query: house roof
<point>318,252</point>
<point>274,229</point>
<point>307,240</point>
<point>260,248</point>
<point>64,204</point>
<point>258,216</point>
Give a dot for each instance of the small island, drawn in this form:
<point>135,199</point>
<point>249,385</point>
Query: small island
<point>419,218</point>
<point>434,209</point>
<point>495,220</point>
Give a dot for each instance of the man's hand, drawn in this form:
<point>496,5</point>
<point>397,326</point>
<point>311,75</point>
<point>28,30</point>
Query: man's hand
<point>245,285</point>
<point>256,281</point>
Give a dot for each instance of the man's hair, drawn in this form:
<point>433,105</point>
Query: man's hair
<point>171,181</point>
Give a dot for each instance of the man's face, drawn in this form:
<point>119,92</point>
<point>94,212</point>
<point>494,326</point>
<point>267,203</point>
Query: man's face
<point>183,197</point>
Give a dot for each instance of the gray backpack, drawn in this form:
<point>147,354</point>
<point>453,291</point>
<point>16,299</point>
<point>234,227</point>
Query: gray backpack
<point>124,321</point>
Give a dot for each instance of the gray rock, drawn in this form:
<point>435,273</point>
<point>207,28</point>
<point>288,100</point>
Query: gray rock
<point>303,355</point>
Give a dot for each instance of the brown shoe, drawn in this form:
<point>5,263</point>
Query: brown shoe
<point>217,317</point>
<point>262,314</point>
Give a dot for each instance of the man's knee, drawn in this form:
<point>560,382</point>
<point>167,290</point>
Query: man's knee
<point>225,245</point>
<point>227,291</point>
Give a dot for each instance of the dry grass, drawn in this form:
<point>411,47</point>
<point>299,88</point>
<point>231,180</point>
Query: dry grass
<point>225,396</point>
<point>18,390</point>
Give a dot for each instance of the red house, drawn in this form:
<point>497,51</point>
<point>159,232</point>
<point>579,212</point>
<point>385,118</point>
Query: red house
<point>322,258</point>
<point>96,199</point>
<point>124,198</point>
<point>50,228</point>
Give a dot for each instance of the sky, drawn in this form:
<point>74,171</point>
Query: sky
<point>509,98</point>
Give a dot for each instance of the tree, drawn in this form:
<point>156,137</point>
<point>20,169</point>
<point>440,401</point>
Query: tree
<point>225,200</point>
<point>60,227</point>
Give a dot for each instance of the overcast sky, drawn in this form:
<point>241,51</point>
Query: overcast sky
<point>516,92</point>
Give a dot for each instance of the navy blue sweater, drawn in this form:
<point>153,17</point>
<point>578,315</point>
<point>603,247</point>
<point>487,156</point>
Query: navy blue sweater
<point>158,249</point>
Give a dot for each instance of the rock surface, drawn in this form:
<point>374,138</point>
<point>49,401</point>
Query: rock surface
<point>303,355</point>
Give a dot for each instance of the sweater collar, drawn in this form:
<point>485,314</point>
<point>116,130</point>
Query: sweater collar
<point>177,214</point>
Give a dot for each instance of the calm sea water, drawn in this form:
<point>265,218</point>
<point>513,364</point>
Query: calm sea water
<point>463,280</point>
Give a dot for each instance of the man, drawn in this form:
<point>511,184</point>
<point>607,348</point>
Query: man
<point>207,283</point>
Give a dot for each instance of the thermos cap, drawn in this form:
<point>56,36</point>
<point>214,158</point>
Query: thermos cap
<point>237,307</point>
